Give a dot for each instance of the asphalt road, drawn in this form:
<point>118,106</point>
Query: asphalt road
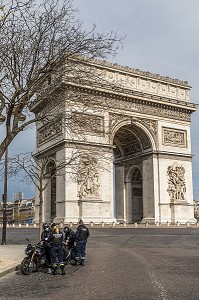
<point>121,263</point>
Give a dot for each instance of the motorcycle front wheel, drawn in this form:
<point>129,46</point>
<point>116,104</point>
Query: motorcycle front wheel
<point>26,266</point>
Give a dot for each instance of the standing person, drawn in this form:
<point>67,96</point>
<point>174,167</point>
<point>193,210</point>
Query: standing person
<point>56,240</point>
<point>69,243</point>
<point>44,235</point>
<point>82,234</point>
<point>70,237</point>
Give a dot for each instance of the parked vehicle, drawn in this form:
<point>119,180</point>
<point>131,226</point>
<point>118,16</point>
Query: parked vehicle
<point>70,255</point>
<point>35,258</point>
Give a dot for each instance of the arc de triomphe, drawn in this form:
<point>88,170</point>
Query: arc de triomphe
<point>133,131</point>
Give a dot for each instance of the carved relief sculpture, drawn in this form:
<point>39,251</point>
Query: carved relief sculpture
<point>88,178</point>
<point>174,137</point>
<point>176,183</point>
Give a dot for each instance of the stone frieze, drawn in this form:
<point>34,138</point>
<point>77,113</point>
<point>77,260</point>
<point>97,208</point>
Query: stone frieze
<point>174,137</point>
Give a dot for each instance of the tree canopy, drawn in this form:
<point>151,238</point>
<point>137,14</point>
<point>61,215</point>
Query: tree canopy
<point>36,38</point>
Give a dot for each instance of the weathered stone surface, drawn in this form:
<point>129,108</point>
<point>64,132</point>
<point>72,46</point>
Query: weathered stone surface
<point>133,129</point>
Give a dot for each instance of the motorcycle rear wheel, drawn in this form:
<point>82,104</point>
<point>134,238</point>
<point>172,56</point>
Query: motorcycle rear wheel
<point>26,266</point>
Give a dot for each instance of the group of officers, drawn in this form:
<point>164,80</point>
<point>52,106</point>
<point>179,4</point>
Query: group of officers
<point>54,240</point>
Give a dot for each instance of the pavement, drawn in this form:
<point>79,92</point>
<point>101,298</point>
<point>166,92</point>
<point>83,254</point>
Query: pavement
<point>10,258</point>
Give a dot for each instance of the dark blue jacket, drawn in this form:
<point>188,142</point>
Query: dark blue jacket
<point>82,233</point>
<point>55,239</point>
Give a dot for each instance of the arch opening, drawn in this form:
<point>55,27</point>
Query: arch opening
<point>131,144</point>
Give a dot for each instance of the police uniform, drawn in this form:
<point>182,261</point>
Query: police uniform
<point>56,241</point>
<point>82,234</point>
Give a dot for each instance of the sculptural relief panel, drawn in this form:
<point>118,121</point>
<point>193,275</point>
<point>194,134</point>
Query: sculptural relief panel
<point>87,123</point>
<point>48,131</point>
<point>174,137</point>
<point>88,185</point>
<point>176,182</point>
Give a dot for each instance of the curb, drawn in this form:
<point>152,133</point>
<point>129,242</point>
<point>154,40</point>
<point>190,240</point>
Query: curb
<point>14,267</point>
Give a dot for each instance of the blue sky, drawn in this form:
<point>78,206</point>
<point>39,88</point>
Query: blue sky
<point>161,37</point>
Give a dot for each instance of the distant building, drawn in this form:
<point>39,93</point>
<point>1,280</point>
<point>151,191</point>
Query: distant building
<point>17,196</point>
<point>19,211</point>
<point>196,206</point>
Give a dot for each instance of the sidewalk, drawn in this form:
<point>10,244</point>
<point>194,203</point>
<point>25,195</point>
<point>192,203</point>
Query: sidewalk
<point>10,257</point>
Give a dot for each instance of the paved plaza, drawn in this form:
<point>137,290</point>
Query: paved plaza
<point>121,263</point>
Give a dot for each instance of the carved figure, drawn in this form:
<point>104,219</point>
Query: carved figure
<point>87,178</point>
<point>176,183</point>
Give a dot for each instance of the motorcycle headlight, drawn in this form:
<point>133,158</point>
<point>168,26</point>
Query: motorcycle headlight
<point>28,251</point>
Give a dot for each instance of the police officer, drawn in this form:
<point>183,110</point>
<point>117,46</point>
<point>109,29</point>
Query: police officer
<point>82,234</point>
<point>69,237</point>
<point>69,243</point>
<point>44,235</point>
<point>56,240</point>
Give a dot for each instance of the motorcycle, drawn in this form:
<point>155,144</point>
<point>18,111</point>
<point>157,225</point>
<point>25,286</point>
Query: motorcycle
<point>70,255</point>
<point>35,258</point>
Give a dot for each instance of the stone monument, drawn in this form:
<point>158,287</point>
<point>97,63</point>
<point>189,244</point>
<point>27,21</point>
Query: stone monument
<point>132,131</point>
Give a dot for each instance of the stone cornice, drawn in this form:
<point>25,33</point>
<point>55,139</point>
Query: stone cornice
<point>137,72</point>
<point>151,88</point>
<point>52,149</point>
<point>158,154</point>
<point>136,96</point>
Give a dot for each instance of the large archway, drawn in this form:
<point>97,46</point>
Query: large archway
<point>133,165</point>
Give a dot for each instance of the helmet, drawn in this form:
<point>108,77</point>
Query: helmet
<point>66,229</point>
<point>46,227</point>
<point>53,225</point>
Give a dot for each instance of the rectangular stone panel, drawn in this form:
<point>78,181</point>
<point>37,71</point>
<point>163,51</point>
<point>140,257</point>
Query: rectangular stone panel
<point>174,137</point>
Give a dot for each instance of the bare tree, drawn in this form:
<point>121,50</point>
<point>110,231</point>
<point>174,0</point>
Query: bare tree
<point>38,41</point>
<point>40,172</point>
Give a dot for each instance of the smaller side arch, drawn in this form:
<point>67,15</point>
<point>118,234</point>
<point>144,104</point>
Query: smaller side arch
<point>134,194</point>
<point>131,170</point>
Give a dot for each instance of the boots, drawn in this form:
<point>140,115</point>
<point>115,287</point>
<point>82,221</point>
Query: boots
<point>63,272</point>
<point>49,271</point>
<point>78,261</point>
<point>82,262</point>
<point>54,271</point>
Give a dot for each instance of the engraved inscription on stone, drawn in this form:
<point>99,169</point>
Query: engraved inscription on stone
<point>174,137</point>
<point>176,183</point>
<point>88,178</point>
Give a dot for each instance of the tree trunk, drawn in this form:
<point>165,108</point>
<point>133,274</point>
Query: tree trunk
<point>40,211</point>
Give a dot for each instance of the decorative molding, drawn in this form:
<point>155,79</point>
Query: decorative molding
<point>139,72</point>
<point>148,108</point>
<point>174,137</point>
<point>163,111</point>
<point>116,119</point>
<point>151,125</point>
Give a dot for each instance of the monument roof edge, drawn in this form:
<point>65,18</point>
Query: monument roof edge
<point>137,72</point>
